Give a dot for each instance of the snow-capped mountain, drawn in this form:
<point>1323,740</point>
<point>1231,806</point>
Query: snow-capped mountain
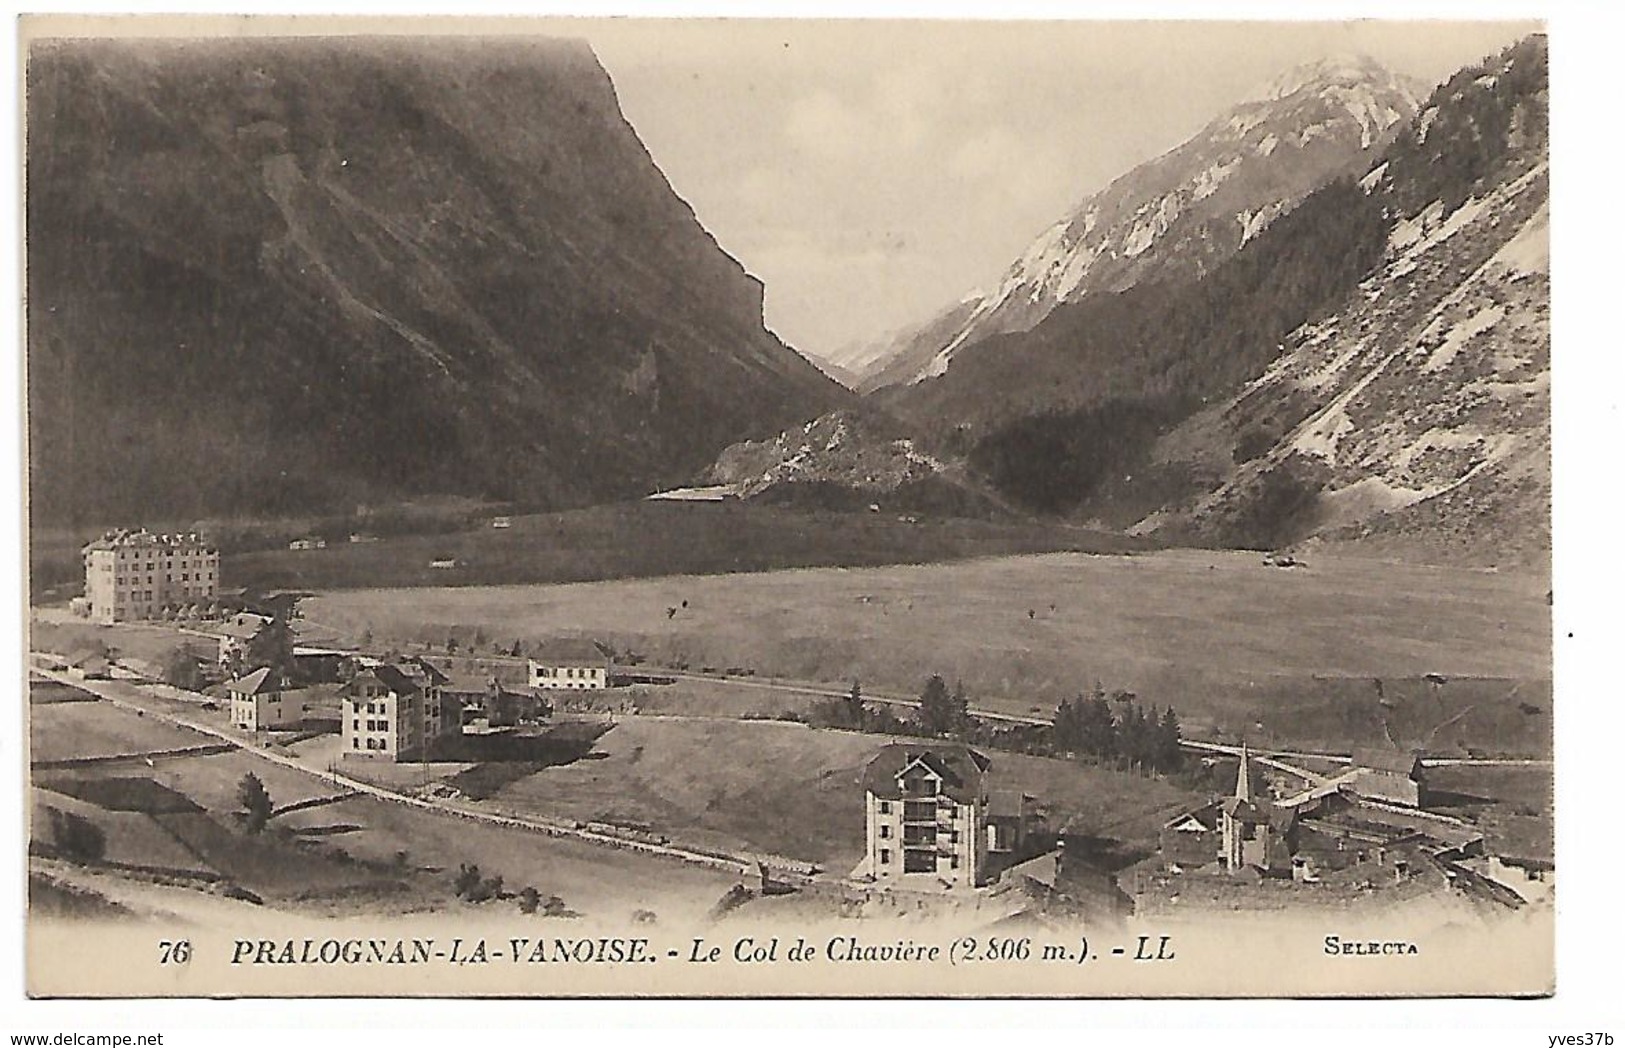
<point>1418,412</point>
<point>1173,217</point>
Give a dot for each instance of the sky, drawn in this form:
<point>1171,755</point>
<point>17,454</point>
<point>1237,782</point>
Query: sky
<point>871,173</point>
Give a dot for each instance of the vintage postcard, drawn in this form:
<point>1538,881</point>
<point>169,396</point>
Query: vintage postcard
<point>787,508</point>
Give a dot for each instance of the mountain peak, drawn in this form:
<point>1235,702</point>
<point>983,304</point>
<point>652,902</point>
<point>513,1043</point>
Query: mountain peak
<point>1339,69</point>
<point>1178,215</point>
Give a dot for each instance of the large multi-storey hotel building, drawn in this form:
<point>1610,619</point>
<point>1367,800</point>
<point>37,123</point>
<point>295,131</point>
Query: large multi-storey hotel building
<point>136,574</point>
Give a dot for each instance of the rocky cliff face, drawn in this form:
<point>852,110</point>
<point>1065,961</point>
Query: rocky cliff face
<point>1173,218</point>
<point>282,275</point>
<point>1417,414</point>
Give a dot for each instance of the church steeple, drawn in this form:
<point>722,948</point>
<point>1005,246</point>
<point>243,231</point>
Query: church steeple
<point>1244,785</point>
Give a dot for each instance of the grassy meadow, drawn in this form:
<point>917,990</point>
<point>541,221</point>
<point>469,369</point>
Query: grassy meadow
<point>1280,655</point>
<point>644,539</point>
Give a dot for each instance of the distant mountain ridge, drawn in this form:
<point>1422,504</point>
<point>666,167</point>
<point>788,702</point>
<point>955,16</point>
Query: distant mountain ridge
<point>281,276</point>
<point>1173,217</point>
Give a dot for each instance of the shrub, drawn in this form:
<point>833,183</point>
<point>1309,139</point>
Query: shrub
<point>467,880</point>
<point>256,802</point>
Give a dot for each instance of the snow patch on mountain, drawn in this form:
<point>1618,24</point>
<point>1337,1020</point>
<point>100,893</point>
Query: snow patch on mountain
<point>1163,219</point>
<point>1431,386</point>
<point>1255,222</point>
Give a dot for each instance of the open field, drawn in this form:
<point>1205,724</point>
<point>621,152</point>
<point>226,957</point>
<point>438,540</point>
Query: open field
<point>643,539</point>
<point>68,730</point>
<point>773,787</point>
<point>1229,643</point>
<point>354,854</point>
<point>130,838</point>
<point>152,642</point>
<point>591,879</point>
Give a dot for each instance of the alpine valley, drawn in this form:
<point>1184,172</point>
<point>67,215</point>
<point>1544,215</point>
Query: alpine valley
<point>285,278</point>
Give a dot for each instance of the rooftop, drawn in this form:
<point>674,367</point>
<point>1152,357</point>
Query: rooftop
<point>259,682</point>
<point>960,768</point>
<point>568,650</point>
<point>1382,758</point>
<point>407,677</point>
<point>469,683</point>
<point>242,626</point>
<point>126,538</point>
<point>1006,803</point>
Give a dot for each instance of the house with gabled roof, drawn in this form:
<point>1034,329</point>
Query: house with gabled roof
<point>235,634</point>
<point>90,665</point>
<point>256,701</point>
<point>927,816</point>
<point>1388,774</point>
<point>569,663</point>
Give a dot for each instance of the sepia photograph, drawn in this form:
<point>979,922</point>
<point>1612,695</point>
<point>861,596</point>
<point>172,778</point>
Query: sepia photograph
<point>787,508</point>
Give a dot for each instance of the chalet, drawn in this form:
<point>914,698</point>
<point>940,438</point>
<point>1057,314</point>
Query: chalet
<point>257,701</point>
<point>1388,774</point>
<point>236,634</point>
<point>484,696</point>
<point>314,664</point>
<point>395,711</point>
<point>1190,840</point>
<point>467,693</point>
<point>506,707</point>
<point>569,664</point>
<point>926,811</point>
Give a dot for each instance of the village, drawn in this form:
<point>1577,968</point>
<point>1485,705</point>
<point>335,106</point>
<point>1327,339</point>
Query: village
<point>944,827</point>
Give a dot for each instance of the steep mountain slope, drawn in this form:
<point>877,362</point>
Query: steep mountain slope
<point>1172,218</point>
<point>1416,416</point>
<point>283,275</point>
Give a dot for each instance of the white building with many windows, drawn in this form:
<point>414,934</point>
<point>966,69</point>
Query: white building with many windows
<point>569,664</point>
<point>927,816</point>
<point>397,711</point>
<point>137,574</point>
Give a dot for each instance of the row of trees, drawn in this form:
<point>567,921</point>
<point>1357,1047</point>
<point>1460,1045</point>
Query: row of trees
<point>1131,734</point>
<point>1117,730</point>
